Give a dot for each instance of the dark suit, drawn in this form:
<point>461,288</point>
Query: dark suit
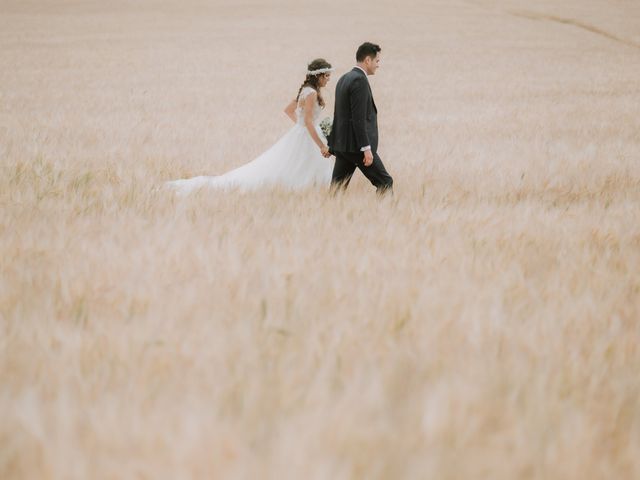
<point>355,125</point>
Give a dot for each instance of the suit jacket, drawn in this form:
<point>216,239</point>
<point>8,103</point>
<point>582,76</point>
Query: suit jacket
<point>355,120</point>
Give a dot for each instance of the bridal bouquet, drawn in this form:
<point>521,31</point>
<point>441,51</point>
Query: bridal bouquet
<point>325,126</point>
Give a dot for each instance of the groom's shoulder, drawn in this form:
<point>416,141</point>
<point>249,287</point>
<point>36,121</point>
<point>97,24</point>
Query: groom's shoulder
<point>353,73</point>
<point>351,76</point>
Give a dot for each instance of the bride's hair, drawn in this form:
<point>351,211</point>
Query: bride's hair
<point>313,80</point>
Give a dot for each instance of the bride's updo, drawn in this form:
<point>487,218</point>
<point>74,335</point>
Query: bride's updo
<point>313,80</point>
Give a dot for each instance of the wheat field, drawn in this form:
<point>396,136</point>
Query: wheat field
<point>481,323</point>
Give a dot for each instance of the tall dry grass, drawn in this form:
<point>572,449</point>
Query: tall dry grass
<point>481,323</point>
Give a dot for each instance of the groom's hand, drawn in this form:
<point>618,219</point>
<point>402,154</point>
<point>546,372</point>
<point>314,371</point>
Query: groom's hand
<point>368,158</point>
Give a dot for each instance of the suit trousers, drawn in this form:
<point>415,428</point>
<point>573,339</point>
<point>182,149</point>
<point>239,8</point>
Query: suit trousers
<point>346,164</point>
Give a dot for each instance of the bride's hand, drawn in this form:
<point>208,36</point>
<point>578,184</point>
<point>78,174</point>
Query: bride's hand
<point>325,151</point>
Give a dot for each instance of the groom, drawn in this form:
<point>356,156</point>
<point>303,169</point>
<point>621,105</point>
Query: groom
<point>354,135</point>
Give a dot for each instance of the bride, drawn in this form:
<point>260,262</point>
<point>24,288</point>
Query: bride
<point>299,159</point>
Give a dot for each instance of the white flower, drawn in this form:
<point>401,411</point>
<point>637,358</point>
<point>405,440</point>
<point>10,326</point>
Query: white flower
<point>325,126</point>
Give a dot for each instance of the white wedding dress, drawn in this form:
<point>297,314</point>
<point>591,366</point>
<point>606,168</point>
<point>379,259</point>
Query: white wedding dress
<point>294,162</point>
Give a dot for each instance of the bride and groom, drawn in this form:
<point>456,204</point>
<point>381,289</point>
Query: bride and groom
<point>301,158</point>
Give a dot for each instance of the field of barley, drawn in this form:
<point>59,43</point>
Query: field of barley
<point>481,323</point>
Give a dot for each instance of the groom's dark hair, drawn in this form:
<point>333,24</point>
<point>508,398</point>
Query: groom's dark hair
<point>367,49</point>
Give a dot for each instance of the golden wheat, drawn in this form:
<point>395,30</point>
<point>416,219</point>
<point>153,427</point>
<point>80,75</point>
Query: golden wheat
<point>481,323</point>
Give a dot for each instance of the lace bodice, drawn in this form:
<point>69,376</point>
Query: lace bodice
<point>300,109</point>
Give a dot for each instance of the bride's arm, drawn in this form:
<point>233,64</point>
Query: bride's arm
<point>290,110</point>
<point>309,102</point>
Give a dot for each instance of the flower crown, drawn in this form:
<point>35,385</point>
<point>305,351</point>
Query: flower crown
<point>319,71</point>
